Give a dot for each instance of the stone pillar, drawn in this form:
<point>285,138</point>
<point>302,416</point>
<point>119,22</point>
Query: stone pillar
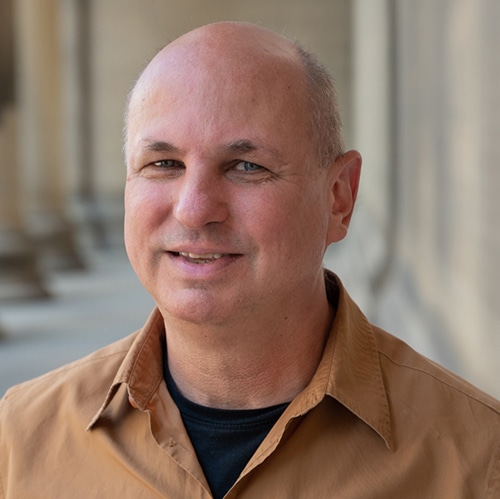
<point>78,27</point>
<point>371,241</point>
<point>444,299</point>
<point>18,264</point>
<point>41,122</point>
<point>489,168</point>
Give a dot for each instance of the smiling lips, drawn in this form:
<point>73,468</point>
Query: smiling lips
<point>200,259</point>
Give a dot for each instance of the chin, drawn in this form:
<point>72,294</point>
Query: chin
<point>195,307</point>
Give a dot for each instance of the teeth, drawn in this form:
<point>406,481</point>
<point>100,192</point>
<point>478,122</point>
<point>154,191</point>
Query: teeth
<point>207,256</point>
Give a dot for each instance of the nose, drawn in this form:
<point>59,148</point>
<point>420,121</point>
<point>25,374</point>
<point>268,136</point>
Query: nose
<point>200,199</point>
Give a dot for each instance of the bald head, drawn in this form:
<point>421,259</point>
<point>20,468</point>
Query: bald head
<point>234,39</point>
<point>241,54</point>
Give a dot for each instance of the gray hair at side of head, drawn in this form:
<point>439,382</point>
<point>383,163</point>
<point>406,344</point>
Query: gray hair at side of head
<point>126,115</point>
<point>326,122</point>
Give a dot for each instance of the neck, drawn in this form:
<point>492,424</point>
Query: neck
<point>248,367</point>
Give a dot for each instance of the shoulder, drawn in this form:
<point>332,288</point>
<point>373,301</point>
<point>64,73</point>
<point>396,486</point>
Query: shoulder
<point>440,416</point>
<point>426,387</point>
<point>81,385</point>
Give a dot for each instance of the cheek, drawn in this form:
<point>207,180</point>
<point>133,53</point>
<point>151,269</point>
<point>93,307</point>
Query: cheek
<point>288,225</point>
<point>310,219</point>
<point>144,202</point>
<point>145,209</point>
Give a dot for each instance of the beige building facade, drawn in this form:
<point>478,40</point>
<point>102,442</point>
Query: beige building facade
<point>419,87</point>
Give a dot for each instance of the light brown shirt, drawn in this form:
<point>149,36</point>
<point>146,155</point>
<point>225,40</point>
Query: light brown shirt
<point>377,421</point>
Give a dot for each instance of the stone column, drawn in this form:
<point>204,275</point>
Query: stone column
<point>19,276</point>
<point>41,122</point>
<point>444,299</point>
<point>78,31</point>
<point>489,167</point>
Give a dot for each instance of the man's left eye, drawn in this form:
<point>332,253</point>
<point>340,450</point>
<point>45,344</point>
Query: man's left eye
<point>247,166</point>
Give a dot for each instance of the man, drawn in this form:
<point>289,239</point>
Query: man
<point>256,376</point>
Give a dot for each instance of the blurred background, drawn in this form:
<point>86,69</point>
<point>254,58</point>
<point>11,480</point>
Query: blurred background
<point>419,88</point>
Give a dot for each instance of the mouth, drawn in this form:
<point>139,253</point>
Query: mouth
<point>198,259</point>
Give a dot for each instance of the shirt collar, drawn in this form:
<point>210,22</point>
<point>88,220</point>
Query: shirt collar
<point>351,366</point>
<point>141,370</point>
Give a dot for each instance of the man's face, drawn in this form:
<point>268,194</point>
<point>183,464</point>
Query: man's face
<point>227,211</point>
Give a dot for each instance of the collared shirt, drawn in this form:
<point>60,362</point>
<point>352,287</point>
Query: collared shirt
<point>376,421</point>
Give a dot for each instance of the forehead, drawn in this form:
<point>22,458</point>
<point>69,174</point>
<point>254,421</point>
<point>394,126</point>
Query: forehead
<point>207,88</point>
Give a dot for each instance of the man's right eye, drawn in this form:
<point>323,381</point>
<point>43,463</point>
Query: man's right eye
<point>163,169</point>
<point>166,163</point>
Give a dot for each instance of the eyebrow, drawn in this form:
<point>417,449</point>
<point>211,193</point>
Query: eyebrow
<point>160,146</point>
<point>241,146</point>
<point>245,146</point>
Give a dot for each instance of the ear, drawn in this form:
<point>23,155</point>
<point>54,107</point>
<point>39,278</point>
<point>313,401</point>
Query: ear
<point>344,182</point>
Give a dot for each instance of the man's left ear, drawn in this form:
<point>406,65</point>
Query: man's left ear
<point>344,182</point>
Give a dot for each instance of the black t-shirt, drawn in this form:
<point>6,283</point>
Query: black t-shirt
<point>224,440</point>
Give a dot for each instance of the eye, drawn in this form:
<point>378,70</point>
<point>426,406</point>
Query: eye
<point>246,166</point>
<point>248,172</point>
<point>163,169</point>
<point>166,163</point>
